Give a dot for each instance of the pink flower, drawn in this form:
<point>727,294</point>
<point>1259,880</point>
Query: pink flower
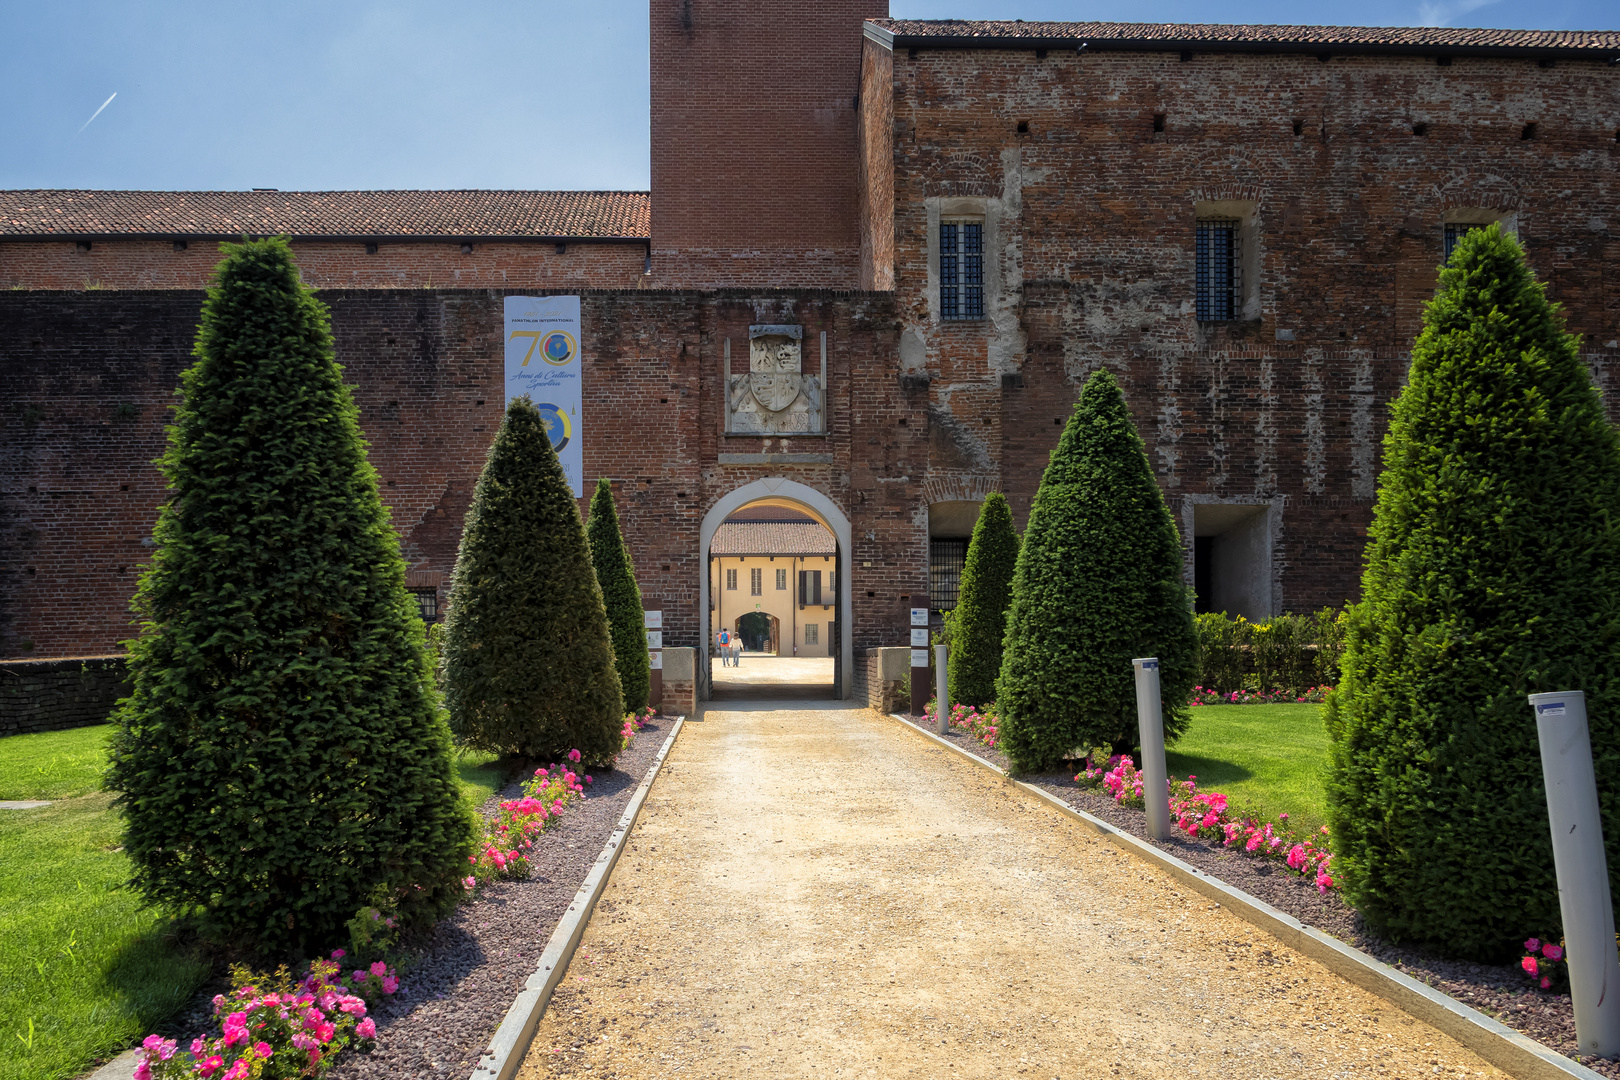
<point>1296,857</point>
<point>1255,840</point>
<point>588,779</point>
<point>338,954</point>
<point>211,1066</point>
<point>353,1006</point>
<point>1545,982</point>
<point>303,1042</point>
<point>1553,952</point>
<point>573,755</point>
<point>379,969</point>
<point>1324,881</point>
<point>359,975</point>
<point>390,984</point>
<point>143,1070</point>
<point>262,1049</point>
<point>1532,944</point>
<point>326,1032</point>
<point>366,1029</point>
<point>237,1071</point>
<point>197,1045</point>
<point>1529,965</point>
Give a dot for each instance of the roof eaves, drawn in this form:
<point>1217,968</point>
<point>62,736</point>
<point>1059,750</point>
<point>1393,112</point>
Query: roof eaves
<point>355,237</point>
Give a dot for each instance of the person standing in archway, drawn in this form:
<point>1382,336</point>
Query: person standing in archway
<point>725,647</point>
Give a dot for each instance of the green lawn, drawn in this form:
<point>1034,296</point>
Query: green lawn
<point>1265,757</point>
<point>79,959</point>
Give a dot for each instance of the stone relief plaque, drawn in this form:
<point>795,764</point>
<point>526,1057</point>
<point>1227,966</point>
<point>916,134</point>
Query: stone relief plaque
<point>775,395</point>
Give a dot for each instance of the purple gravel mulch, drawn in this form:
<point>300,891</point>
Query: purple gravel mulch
<point>472,965</point>
<point>1502,992</point>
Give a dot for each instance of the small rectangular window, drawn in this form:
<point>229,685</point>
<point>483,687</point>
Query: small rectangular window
<point>809,586</point>
<point>945,561</point>
<point>812,633</point>
<point>1455,231</point>
<point>1220,269</point>
<point>781,580</point>
<point>427,602</point>
<point>731,580</point>
<point>961,269</point>
<point>756,582</point>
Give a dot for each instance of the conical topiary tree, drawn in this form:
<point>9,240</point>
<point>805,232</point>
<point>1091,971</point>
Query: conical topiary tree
<point>1493,572</point>
<point>1099,582</point>
<point>980,618</point>
<point>282,755</point>
<point>528,660</point>
<point>616,574</point>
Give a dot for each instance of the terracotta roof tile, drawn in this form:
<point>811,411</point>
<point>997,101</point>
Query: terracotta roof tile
<point>461,214</point>
<point>1348,38</point>
<point>772,538</point>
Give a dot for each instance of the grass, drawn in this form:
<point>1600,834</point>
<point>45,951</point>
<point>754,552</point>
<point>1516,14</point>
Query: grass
<point>84,971</point>
<point>1265,758</point>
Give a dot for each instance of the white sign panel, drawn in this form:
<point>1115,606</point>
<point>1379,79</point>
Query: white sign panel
<point>919,616</point>
<point>655,639</point>
<point>542,360</point>
<point>655,661</point>
<point>919,657</point>
<point>652,620</point>
<point>919,637</point>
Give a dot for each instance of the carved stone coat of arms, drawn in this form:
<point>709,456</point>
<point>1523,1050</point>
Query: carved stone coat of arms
<point>775,395</point>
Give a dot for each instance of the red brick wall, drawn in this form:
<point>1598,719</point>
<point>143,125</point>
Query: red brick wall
<point>86,379</point>
<point>876,144</point>
<point>154,264</point>
<point>1095,252</point>
<point>753,142</point>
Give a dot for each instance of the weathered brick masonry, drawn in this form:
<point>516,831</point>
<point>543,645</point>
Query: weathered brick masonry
<point>87,379</point>
<point>52,695</point>
<point>1089,169</point>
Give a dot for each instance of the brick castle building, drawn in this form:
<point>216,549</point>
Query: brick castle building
<point>933,231</point>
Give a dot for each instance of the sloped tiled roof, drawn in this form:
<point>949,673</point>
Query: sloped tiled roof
<point>443,214</point>
<point>772,538</point>
<point>961,32</point>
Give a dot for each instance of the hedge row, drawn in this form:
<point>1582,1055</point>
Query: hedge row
<point>1291,653</point>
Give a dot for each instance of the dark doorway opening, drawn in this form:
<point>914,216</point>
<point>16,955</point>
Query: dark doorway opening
<point>1203,562</point>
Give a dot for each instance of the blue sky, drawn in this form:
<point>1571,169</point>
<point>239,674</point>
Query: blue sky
<point>353,94</point>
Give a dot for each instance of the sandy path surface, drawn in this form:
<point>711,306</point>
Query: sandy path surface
<point>814,892</point>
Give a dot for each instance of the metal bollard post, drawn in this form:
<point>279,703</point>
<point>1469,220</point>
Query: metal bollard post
<point>1582,868</point>
<point>942,717</point>
<point>1150,725</point>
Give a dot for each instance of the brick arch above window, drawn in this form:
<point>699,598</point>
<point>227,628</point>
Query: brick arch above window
<point>1477,189</point>
<point>962,176</point>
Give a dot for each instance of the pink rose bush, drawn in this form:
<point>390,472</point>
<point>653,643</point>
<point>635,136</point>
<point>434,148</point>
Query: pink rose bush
<point>634,722</point>
<point>1546,965</point>
<point>518,823</point>
<point>293,1030</point>
<point>981,725</point>
<point>1205,815</point>
<point>1200,696</point>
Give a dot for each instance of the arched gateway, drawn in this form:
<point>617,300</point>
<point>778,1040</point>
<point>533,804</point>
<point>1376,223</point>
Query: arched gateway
<point>780,491</point>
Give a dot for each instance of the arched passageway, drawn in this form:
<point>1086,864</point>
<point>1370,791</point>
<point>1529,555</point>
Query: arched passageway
<point>834,601</point>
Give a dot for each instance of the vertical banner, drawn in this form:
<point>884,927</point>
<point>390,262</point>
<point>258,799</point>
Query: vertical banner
<point>542,360</point>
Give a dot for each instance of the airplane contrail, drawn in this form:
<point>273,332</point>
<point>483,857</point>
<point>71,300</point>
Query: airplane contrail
<point>97,113</point>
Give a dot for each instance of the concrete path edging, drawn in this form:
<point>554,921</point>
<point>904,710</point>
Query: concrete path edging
<point>511,1042</point>
<point>1509,1050</point>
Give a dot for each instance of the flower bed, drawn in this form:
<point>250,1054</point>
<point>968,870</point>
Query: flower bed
<point>293,1030</point>
<point>1204,815</point>
<point>1315,695</point>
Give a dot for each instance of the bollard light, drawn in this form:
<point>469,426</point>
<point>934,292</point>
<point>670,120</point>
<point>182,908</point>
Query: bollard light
<point>1150,726</point>
<point>1582,868</point>
<point>942,710</point>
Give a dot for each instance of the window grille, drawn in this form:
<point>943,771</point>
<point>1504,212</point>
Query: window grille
<point>731,580</point>
<point>756,582</point>
<point>809,587</point>
<point>961,269</point>
<point>427,601</point>
<point>945,560</point>
<point>781,580</point>
<point>812,633</point>
<point>1455,231</point>
<point>1220,270</point>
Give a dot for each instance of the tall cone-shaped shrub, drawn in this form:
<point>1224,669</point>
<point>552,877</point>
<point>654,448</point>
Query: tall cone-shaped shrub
<point>980,619</point>
<point>282,754</point>
<point>1493,571</point>
<point>528,661</point>
<point>1099,582</point>
<point>616,574</point>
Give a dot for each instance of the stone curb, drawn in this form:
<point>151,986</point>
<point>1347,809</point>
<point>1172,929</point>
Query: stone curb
<point>511,1042</point>
<point>1497,1043</point>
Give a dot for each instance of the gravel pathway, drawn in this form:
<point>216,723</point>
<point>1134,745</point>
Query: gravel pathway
<point>808,894</point>
<point>475,962</point>
<point>1501,992</point>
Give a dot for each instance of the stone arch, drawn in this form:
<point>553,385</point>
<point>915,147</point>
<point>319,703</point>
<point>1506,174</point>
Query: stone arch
<point>780,491</point>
